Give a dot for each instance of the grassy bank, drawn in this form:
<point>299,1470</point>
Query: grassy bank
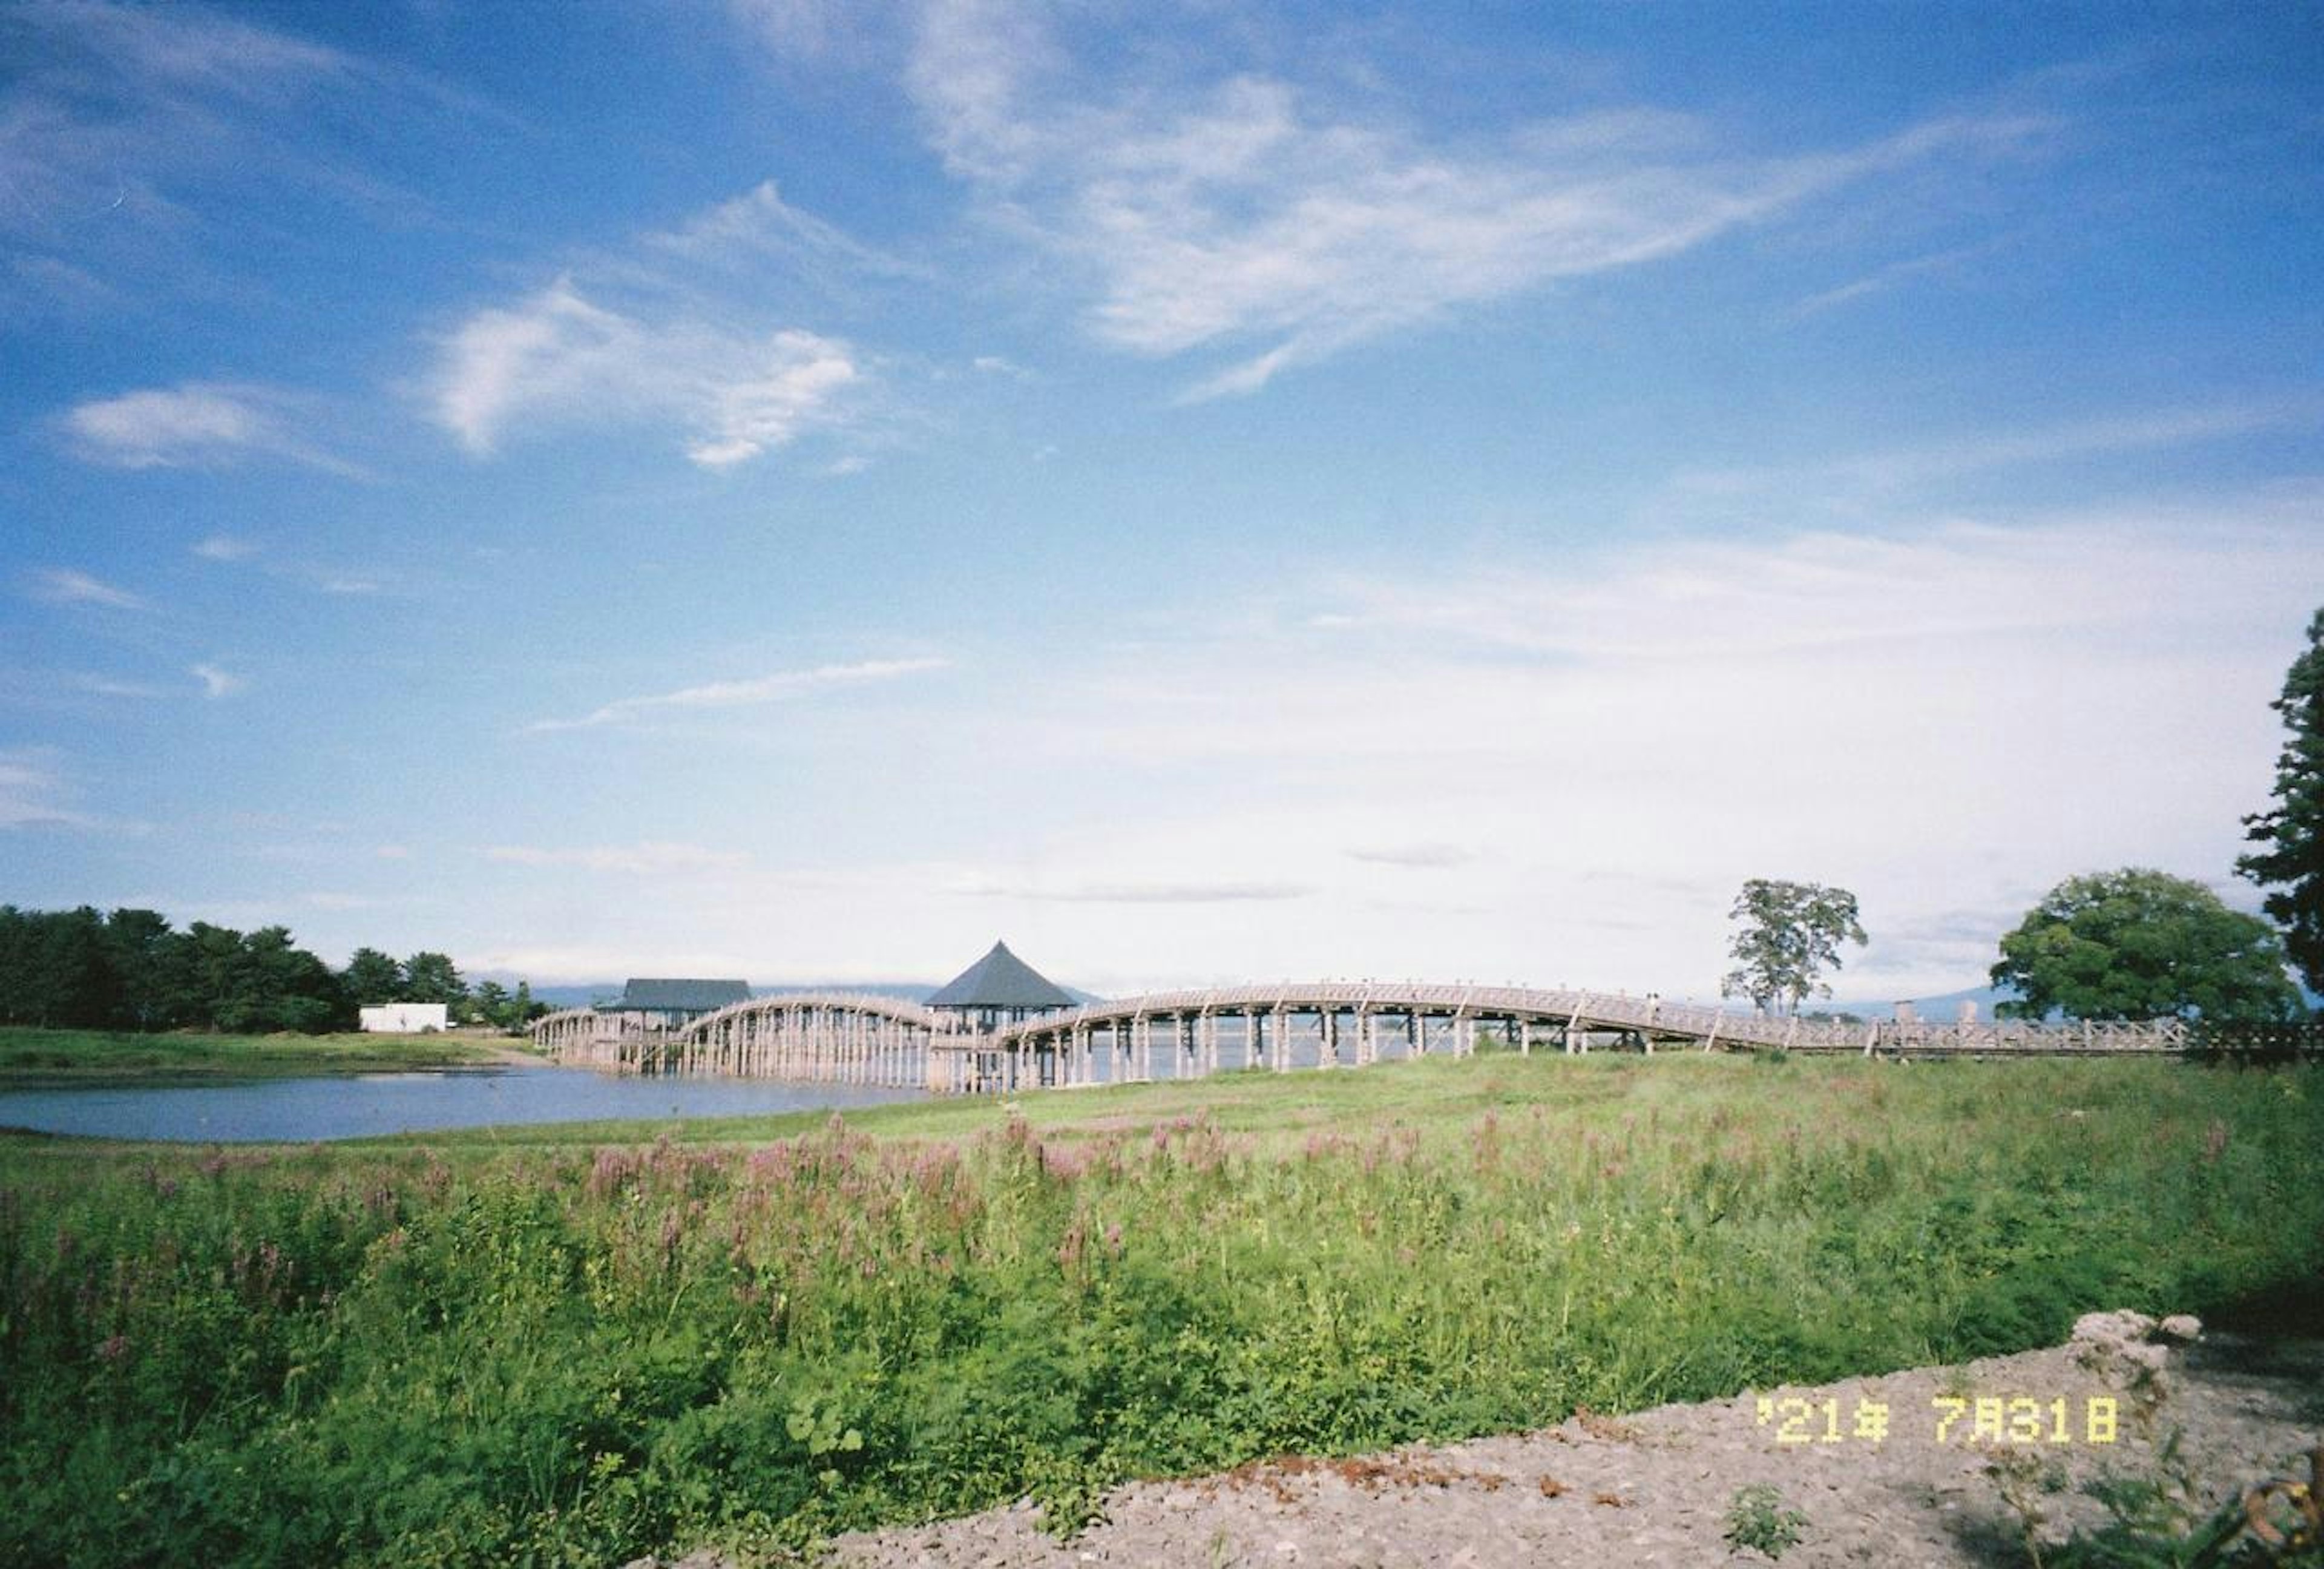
<point>53,1057</point>
<point>578,1349</point>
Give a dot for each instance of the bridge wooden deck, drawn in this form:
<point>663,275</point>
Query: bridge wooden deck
<point>846,1037</point>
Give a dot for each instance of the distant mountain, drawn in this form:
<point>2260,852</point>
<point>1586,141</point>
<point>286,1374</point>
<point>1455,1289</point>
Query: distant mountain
<point>1939,1008</point>
<point>559,996</point>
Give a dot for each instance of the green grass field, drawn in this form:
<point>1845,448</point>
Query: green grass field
<point>575,1346</point>
<point>53,1057</point>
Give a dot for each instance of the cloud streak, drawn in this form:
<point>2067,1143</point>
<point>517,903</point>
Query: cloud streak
<point>1428,856</point>
<point>217,682</point>
<point>65,586</point>
<point>561,359</point>
<point>1901,468</point>
<point>780,686</point>
<point>193,425</point>
<point>647,858</point>
<point>1256,218</point>
<point>120,124</point>
<point>1228,892</point>
<point>33,793</point>
<point>2079,690</point>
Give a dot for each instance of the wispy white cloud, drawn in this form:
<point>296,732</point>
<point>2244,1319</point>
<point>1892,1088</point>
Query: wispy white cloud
<point>194,49</point>
<point>216,680</point>
<point>560,359</point>
<point>228,549</point>
<point>1834,594</point>
<point>33,792</point>
<point>1225,893</point>
<point>759,230</point>
<point>1894,469</point>
<point>819,32</point>
<point>646,858</point>
<point>110,687</point>
<point>332,900</point>
<point>66,585</point>
<point>1895,275</point>
<point>600,963</point>
<point>780,686</point>
<point>110,113</point>
<point>194,424</point>
<point>1429,855</point>
<point>1258,218</point>
<point>1645,722</point>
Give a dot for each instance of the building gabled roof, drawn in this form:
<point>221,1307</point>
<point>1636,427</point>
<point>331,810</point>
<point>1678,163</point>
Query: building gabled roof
<point>672,996</point>
<point>1000,979</point>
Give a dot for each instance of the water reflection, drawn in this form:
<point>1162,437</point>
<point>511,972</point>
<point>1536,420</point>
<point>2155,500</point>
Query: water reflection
<point>360,1105</point>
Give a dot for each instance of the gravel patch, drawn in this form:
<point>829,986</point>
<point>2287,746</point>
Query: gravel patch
<point>1655,1488</point>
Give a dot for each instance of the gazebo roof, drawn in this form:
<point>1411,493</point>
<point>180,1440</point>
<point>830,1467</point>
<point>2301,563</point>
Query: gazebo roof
<point>1000,979</point>
<point>679,996</point>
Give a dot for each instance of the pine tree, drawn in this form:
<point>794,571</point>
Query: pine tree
<point>2293,864</point>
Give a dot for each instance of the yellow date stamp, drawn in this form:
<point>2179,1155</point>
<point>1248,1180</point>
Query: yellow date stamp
<point>1955,1419</point>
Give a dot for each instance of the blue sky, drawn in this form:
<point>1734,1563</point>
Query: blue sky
<point>1207,493</point>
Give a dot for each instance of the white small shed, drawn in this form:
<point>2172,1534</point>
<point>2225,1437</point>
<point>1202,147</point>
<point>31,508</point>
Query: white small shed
<point>405,1018</point>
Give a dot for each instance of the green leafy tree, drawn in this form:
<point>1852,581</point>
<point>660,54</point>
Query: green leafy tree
<point>53,969</point>
<point>1790,934</point>
<point>152,969</point>
<point>372,976</point>
<point>2291,865</point>
<point>488,1003</point>
<point>2141,944</point>
<point>294,990</point>
<point>431,978</point>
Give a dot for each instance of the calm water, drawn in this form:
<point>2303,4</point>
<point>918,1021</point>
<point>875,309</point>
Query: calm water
<point>352,1106</point>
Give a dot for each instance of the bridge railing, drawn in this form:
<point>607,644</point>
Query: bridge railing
<point>895,1008</point>
<point>1586,1012</point>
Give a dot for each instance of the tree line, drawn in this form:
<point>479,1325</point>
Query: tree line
<point>132,970</point>
<point>2132,944</point>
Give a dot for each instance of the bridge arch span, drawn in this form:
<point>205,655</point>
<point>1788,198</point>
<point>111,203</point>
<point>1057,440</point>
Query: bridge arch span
<point>854,1037</point>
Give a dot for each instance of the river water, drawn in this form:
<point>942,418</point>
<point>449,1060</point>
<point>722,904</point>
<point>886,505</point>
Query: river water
<point>359,1105</point>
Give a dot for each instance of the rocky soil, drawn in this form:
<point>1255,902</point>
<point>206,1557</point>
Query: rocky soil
<point>1657,1487</point>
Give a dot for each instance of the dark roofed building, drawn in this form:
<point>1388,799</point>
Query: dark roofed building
<point>674,1002</point>
<point>1001,989</point>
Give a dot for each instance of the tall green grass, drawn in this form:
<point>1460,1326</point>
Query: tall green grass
<point>577,1354</point>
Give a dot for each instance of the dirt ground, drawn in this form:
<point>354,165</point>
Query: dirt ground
<point>1656,1489</point>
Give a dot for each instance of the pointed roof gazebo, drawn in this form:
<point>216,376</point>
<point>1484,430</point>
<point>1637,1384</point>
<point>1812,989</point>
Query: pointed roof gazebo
<point>1001,989</point>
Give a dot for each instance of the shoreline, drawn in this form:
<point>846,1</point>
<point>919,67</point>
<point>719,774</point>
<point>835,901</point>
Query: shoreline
<point>40,1059</point>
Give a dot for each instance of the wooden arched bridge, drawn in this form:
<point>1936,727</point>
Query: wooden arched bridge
<point>829,1037</point>
<point>847,1038</point>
